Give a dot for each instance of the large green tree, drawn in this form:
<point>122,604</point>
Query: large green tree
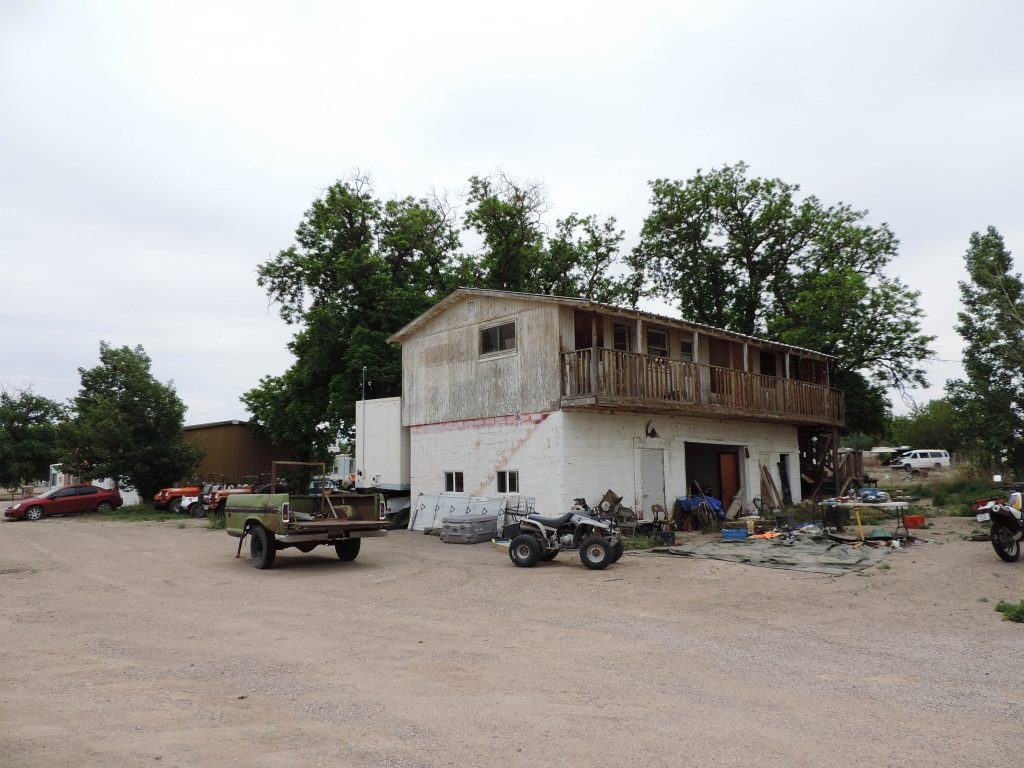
<point>28,436</point>
<point>989,402</point>
<point>126,425</point>
<point>359,269</point>
<point>752,256</point>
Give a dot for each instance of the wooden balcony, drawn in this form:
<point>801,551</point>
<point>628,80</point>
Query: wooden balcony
<point>599,379</point>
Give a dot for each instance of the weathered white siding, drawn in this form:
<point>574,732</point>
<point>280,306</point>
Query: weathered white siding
<point>562,455</point>
<point>444,377</point>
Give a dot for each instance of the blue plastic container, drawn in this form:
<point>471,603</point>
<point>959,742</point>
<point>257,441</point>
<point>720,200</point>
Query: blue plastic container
<point>734,533</point>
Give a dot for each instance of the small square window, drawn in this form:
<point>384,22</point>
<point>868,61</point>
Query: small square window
<point>498,338</point>
<point>508,481</point>
<point>657,343</point>
<point>453,482</point>
<point>686,351</point>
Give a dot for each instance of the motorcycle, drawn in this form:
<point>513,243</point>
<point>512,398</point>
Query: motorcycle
<point>534,539</point>
<point>1007,525</point>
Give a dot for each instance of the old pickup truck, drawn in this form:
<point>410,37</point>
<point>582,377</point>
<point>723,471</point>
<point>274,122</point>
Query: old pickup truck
<point>275,521</point>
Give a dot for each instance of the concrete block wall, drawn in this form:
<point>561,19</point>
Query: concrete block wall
<point>561,455</point>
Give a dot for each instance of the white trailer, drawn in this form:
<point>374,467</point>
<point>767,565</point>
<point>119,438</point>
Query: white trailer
<point>382,453</point>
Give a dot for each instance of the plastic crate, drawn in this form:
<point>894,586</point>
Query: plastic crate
<point>734,533</point>
<point>913,521</point>
<point>469,529</point>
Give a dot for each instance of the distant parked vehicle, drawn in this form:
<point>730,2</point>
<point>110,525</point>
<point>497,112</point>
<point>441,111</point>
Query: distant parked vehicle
<point>170,498</point>
<point>65,501</point>
<point>318,484</point>
<point>920,459</point>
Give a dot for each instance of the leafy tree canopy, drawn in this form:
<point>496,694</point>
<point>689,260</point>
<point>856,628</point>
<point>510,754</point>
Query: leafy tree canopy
<point>126,425</point>
<point>751,256</point>
<point>360,268</point>
<point>930,425</point>
<point>989,402</point>
<point>28,436</point>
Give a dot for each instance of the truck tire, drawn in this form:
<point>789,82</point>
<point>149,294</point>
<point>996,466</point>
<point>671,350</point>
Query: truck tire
<point>525,550</point>
<point>262,547</point>
<point>347,550</point>
<point>175,505</point>
<point>596,553</point>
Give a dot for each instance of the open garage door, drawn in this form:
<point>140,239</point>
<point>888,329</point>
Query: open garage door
<point>718,468</point>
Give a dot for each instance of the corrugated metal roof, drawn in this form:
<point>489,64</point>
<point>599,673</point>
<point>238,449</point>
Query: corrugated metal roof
<point>594,306</point>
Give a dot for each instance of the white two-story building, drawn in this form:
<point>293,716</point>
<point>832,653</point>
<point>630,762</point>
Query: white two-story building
<point>556,398</point>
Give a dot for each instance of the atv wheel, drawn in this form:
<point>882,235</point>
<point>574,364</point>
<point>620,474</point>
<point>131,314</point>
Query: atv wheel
<point>1003,543</point>
<point>525,550</point>
<point>596,553</point>
<point>262,547</point>
<point>549,556</point>
<point>347,550</point>
<point>618,550</point>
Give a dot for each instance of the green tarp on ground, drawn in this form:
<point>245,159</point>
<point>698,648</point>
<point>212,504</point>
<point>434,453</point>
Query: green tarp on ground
<point>813,555</point>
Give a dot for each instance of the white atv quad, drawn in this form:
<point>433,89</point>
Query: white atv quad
<point>535,538</point>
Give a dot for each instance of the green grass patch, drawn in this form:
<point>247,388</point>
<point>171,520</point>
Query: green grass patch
<point>1011,611</point>
<point>641,542</point>
<point>217,521</point>
<point>884,567</point>
<point>138,513</point>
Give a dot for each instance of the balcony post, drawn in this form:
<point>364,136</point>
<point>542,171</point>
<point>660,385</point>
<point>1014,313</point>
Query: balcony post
<point>593,354</point>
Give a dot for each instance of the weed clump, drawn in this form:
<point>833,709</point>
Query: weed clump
<point>1011,611</point>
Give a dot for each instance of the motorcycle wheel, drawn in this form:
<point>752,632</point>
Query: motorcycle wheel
<point>596,553</point>
<point>1003,543</point>
<point>525,550</point>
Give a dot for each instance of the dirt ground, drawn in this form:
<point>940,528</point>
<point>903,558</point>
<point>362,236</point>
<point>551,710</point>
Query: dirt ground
<point>132,644</point>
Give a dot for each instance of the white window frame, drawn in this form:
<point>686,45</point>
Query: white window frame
<point>508,478</point>
<point>457,478</point>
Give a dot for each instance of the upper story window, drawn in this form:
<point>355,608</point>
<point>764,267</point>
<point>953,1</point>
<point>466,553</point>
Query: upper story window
<point>686,350</point>
<point>620,337</point>
<point>657,343</point>
<point>498,338</point>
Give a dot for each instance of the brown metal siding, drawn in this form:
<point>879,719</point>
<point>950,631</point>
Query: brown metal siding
<point>236,450</point>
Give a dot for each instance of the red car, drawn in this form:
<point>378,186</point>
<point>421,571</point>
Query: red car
<point>64,501</point>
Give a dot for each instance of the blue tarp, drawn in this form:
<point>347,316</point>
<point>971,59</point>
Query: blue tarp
<point>690,503</point>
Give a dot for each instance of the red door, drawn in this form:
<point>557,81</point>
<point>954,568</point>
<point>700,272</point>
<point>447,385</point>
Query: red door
<point>728,476</point>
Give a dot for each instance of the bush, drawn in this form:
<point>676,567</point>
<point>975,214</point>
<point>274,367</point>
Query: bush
<point>1011,611</point>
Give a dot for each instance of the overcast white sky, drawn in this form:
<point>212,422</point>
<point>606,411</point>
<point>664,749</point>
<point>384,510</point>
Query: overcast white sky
<point>152,154</point>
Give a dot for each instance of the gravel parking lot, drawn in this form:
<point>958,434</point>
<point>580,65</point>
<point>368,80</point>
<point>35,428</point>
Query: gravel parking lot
<point>131,644</point>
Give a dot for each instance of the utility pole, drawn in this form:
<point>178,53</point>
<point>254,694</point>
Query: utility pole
<point>362,449</point>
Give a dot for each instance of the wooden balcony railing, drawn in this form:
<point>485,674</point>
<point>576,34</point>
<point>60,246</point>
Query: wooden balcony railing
<point>607,377</point>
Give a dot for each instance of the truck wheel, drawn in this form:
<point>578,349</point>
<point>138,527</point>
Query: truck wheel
<point>347,550</point>
<point>33,513</point>
<point>525,550</point>
<point>549,556</point>
<point>262,547</point>
<point>175,505</point>
<point>197,510</point>
<point>596,553</point>
<point>618,550</point>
